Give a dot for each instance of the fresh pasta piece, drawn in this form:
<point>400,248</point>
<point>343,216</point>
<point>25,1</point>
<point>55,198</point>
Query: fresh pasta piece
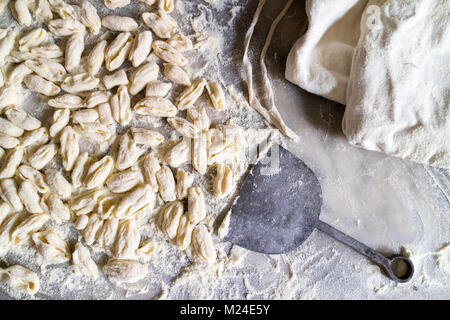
<point>8,225</point>
<point>196,205</point>
<point>113,4</point>
<point>89,17</point>
<point>7,43</point>
<point>216,95</point>
<point>83,263</point>
<point>169,218</point>
<point>10,129</point>
<point>184,182</point>
<point>58,183</point>
<point>119,23</point>
<point>80,169</point>
<point>42,156</point>
<point>222,152</point>
<point>108,233</point>
<point>157,89</point>
<point>106,205</point>
<point>125,270</point>
<point>163,25</point>
<point>20,279</point>
<point>33,39</point>
<point>155,106</point>
<point>191,94</point>
<point>121,106</point>
<point>96,132</point>
<point>96,57</point>
<point>22,119</point>
<point>200,153</point>
<point>65,27</point>
<point>98,172</point>
<point>124,181</point>
<point>49,70</point>
<point>69,147</point>
<point>203,244</point>
<point>74,50</point>
<point>96,98</point>
<point>22,12</point>
<point>168,53</point>
<point>223,182</point>
<point>35,137</point>
<point>147,137</point>
<point>127,240</point>
<point>81,222</point>
<point>166,6</point>
<point>86,202</point>
<point>141,48</point>
<point>199,117</point>
<point>63,9</point>
<point>60,120</point>
<point>118,78</point>
<point>148,2</point>
<point>184,233</point>
<point>128,153</point>
<point>55,207</point>
<point>93,226</point>
<point>176,74</point>
<point>27,227</point>
<point>142,76</point>
<point>11,163</point>
<point>52,247</point>
<point>135,201</point>
<point>146,248</point>
<point>8,192</point>
<point>35,177</point>
<point>151,166</point>
<point>10,95</point>
<point>180,43</point>
<point>184,127</point>
<point>29,197</point>
<point>118,50</point>
<point>105,114</point>
<point>85,116</point>
<point>179,153</point>
<point>17,75</point>
<point>66,101</point>
<point>48,51</point>
<point>166,183</point>
<point>79,83</point>
<point>8,142</point>
<point>43,12</point>
<point>40,85</point>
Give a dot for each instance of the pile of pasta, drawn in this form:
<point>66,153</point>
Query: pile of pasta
<point>102,196</point>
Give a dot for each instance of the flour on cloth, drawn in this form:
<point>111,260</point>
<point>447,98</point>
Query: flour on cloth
<point>399,87</point>
<point>394,79</point>
<point>320,61</point>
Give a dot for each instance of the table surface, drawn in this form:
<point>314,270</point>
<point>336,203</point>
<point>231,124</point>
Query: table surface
<point>384,202</point>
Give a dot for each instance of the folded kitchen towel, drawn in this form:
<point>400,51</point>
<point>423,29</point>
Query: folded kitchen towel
<point>398,85</point>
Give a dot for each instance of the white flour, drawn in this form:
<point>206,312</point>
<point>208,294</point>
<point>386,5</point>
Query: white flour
<point>398,92</point>
<point>393,80</point>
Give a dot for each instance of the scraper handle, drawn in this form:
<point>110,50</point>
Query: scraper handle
<point>388,264</point>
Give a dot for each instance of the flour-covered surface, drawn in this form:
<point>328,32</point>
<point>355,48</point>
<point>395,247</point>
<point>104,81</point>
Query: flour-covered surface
<point>384,202</point>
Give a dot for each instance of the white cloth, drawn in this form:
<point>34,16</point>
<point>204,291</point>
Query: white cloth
<point>397,95</point>
<point>320,61</point>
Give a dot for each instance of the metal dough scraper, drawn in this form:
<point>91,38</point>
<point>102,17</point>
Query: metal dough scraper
<point>275,213</point>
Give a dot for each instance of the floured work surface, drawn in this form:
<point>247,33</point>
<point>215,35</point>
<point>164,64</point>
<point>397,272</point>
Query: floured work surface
<point>383,202</point>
